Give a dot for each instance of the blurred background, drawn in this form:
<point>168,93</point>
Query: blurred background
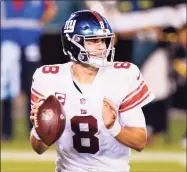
<point>149,33</point>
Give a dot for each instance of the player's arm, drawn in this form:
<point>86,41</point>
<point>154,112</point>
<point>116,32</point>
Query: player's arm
<point>133,131</point>
<point>38,146</point>
<point>133,137</point>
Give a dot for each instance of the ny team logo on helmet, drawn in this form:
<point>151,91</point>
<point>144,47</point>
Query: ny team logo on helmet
<point>69,26</point>
<point>86,25</point>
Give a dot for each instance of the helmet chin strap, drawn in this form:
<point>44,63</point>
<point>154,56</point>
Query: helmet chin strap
<point>98,62</point>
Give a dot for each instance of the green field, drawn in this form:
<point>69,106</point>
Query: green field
<point>21,143</point>
<point>49,167</point>
<point>8,166</point>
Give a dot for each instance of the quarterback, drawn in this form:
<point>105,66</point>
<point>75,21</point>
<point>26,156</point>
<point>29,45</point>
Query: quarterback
<point>102,99</point>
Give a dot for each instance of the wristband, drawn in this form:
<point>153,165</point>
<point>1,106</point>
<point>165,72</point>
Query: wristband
<point>115,130</point>
<point>34,133</point>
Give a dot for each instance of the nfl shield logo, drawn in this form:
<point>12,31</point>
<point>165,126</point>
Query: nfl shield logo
<point>82,101</point>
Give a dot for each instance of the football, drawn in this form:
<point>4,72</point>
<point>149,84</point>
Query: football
<point>50,120</point>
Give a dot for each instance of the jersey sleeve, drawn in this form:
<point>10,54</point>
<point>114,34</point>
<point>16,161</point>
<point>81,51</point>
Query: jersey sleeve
<point>133,118</point>
<point>44,82</point>
<point>40,86</point>
<point>36,91</point>
<point>138,93</point>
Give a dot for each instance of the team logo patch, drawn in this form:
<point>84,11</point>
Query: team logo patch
<point>69,26</point>
<point>83,111</point>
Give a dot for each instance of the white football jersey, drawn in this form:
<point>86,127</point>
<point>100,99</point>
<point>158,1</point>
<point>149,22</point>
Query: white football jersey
<point>85,144</point>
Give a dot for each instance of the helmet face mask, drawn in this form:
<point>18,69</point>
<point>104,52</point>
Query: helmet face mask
<point>74,42</point>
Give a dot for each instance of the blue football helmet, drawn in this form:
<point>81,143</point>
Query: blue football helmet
<point>86,25</point>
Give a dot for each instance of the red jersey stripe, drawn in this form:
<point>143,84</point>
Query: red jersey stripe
<point>135,98</point>
<point>128,108</point>
<point>35,95</point>
<point>134,91</point>
<point>36,92</point>
<point>34,98</point>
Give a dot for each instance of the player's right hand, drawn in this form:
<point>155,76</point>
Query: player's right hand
<point>109,113</point>
<point>34,110</point>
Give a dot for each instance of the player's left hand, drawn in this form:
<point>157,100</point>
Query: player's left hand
<point>109,113</point>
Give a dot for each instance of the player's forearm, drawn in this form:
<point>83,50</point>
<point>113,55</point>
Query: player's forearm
<point>133,137</point>
<point>38,146</point>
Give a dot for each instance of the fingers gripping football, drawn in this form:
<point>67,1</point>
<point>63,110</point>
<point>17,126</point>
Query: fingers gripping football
<point>34,111</point>
<point>109,113</point>
<point>48,117</point>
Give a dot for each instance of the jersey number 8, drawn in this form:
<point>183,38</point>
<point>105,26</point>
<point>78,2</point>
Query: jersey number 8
<point>50,69</point>
<point>80,135</point>
<point>124,65</point>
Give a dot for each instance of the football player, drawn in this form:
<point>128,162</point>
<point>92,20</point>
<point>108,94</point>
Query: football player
<point>102,99</point>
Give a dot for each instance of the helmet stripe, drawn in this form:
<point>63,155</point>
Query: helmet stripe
<point>99,19</point>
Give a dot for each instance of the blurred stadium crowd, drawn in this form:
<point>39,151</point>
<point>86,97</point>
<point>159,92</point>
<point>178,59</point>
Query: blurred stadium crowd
<point>151,34</point>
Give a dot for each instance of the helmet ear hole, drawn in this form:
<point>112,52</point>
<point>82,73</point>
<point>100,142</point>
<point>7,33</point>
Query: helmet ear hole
<point>68,46</point>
